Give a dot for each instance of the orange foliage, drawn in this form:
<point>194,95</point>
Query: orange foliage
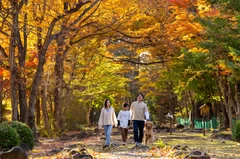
<point>182,3</point>
<point>212,12</point>
<point>1,72</point>
<point>32,60</point>
<point>4,73</point>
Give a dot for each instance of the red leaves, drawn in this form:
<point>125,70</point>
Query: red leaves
<point>1,71</point>
<point>182,3</point>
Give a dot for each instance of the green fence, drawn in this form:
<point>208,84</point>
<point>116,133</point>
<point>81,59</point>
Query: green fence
<point>183,121</point>
<point>210,124</point>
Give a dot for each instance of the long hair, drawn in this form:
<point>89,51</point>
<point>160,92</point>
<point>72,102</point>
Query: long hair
<point>105,102</point>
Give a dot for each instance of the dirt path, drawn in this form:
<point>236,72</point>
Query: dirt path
<point>216,148</point>
<point>119,151</point>
<point>94,144</point>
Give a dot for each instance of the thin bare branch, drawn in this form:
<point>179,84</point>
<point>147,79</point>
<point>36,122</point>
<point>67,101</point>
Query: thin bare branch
<point>84,12</point>
<point>3,52</point>
<point>133,61</point>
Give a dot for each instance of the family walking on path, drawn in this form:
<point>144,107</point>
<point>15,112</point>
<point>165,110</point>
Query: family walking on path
<point>138,114</point>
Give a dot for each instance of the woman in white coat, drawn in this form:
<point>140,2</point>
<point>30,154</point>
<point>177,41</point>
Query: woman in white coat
<point>106,120</point>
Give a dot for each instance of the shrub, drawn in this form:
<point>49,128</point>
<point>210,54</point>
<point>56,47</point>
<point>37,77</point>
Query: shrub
<point>8,136</point>
<point>236,131</point>
<point>80,127</point>
<point>25,133</point>
<point>160,144</point>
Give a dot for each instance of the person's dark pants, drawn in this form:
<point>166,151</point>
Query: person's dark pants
<point>124,134</point>
<point>138,126</point>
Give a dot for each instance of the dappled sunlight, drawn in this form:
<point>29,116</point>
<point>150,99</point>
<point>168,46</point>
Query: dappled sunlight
<point>161,148</point>
<point>59,60</point>
<point>215,147</point>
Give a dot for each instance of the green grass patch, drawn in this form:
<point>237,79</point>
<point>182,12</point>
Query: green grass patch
<point>214,147</point>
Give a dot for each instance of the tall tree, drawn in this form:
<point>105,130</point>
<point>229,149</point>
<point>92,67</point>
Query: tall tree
<point>1,97</point>
<point>22,52</point>
<point>50,36</point>
<point>15,42</point>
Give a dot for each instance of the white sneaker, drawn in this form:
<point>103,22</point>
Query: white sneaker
<point>138,144</point>
<point>124,143</point>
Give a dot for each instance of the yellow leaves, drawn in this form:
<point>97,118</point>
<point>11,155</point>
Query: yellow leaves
<point>181,56</point>
<point>95,154</point>
<point>183,23</point>
<point>181,17</point>
<point>184,29</point>
<point>142,25</point>
<point>205,9</point>
<point>4,73</point>
<point>222,65</point>
<point>167,152</point>
<point>187,37</point>
<point>233,18</point>
<point>73,1</point>
<point>224,70</point>
<point>117,9</point>
<point>198,50</point>
<point>183,84</point>
<point>142,51</point>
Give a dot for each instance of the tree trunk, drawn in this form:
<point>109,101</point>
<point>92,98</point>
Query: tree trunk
<point>172,98</point>
<point>42,49</point>
<point>186,105</point>
<point>227,107</point>
<point>215,109</point>
<point>1,98</point>
<point>44,105</point>
<point>225,118</point>
<point>59,71</point>
<point>58,90</point>
<point>23,101</point>
<point>12,63</point>
<point>171,126</point>
<point>221,91</point>
<point>237,101</point>
<point>14,74</point>
<point>233,107</point>
<point>35,84</point>
<point>88,115</point>
<point>193,109</point>
<point>50,103</point>
<point>38,110</point>
<point>181,112</point>
<point>22,51</point>
<point>230,117</point>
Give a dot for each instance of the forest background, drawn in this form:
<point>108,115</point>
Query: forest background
<point>60,59</point>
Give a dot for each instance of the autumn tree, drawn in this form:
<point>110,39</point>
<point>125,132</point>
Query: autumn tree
<point>18,42</point>
<point>207,33</point>
<point>224,46</point>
